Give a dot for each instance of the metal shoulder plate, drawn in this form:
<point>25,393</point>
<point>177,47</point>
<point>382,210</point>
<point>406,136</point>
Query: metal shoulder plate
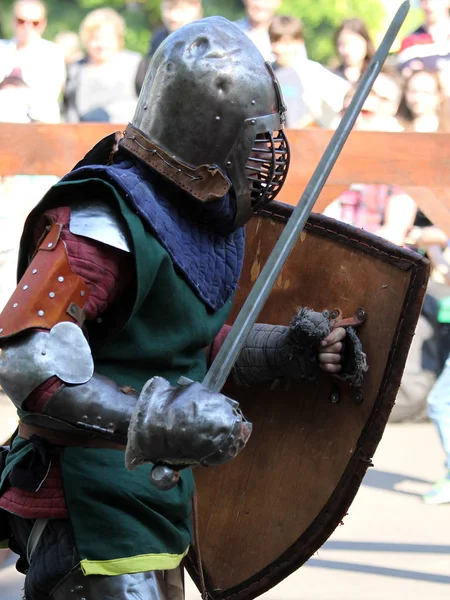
<point>98,221</point>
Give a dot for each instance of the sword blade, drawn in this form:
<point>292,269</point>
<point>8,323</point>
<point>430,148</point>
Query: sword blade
<point>228,353</point>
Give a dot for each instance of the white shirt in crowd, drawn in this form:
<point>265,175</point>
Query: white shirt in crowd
<point>41,65</point>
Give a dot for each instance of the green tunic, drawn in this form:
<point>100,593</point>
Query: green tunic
<point>122,523</point>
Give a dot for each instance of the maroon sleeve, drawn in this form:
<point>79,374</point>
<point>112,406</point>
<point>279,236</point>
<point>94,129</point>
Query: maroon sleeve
<point>217,342</point>
<point>106,271</point>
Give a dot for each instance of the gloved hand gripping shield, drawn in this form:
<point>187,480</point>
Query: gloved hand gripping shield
<point>210,117</point>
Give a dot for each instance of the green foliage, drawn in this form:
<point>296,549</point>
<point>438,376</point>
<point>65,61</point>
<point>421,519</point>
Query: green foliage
<point>320,18</point>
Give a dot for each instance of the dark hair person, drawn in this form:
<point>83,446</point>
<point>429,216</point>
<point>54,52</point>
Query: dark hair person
<point>423,107</point>
<point>354,48</point>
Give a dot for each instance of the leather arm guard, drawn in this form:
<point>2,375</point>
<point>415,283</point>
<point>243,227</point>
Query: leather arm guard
<point>274,351</point>
<point>41,338</point>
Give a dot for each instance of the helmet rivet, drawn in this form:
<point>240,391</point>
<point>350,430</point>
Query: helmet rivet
<point>217,118</point>
<point>253,101</point>
<point>145,107</point>
<point>229,163</point>
<point>253,121</point>
<point>153,151</point>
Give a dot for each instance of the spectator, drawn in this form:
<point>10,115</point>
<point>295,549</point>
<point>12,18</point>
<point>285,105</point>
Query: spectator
<point>354,48</point>
<point>69,42</point>
<point>174,14</point>
<point>439,412</point>
<point>423,107</point>
<point>429,46</point>
<point>256,23</point>
<point>18,193</point>
<point>100,87</point>
<point>38,62</point>
<point>422,110</point>
<point>435,243</point>
<point>15,100</point>
<point>312,93</point>
<point>381,209</point>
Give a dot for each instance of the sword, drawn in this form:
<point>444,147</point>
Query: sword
<point>229,351</point>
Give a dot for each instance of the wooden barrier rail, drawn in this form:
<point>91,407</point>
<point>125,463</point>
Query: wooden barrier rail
<point>418,163</point>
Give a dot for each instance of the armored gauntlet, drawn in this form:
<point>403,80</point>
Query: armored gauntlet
<point>184,426</point>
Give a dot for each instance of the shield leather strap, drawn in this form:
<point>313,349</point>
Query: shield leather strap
<point>263,515</point>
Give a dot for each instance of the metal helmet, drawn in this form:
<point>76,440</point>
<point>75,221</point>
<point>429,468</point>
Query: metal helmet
<point>210,117</point>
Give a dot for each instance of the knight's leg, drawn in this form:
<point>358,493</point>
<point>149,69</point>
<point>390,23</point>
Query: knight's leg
<point>44,559</point>
<point>151,585</point>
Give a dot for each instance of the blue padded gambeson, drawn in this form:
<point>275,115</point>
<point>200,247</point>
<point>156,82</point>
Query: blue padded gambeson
<point>210,260</point>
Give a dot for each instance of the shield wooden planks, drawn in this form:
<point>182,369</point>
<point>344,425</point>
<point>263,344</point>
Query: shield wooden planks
<point>263,515</point>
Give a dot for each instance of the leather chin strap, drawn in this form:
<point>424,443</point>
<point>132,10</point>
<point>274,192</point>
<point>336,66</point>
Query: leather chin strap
<point>205,183</point>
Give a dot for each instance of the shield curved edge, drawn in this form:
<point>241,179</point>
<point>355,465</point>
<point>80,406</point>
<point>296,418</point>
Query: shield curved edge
<point>265,514</point>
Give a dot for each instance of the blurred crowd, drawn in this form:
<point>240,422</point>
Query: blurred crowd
<point>89,76</point>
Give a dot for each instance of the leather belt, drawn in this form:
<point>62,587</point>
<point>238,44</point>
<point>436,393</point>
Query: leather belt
<point>61,438</point>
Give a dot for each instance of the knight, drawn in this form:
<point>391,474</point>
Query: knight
<point>127,271</point>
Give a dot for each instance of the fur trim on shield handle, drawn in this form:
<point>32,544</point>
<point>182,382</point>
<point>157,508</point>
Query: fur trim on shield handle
<point>274,351</point>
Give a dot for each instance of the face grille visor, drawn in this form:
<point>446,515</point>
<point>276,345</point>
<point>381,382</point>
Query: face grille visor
<point>267,167</point>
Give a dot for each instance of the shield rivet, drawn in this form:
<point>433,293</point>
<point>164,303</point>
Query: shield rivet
<point>41,313</point>
<point>1,329</point>
<point>49,245</point>
<point>52,294</point>
<point>359,398</point>
<point>60,279</point>
<point>25,287</point>
<point>34,271</point>
<point>82,293</point>
<point>15,305</point>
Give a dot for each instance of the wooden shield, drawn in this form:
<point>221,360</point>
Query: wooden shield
<point>263,515</point>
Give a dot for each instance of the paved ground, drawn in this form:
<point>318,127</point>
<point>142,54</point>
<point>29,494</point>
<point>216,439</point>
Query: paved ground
<point>390,547</point>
